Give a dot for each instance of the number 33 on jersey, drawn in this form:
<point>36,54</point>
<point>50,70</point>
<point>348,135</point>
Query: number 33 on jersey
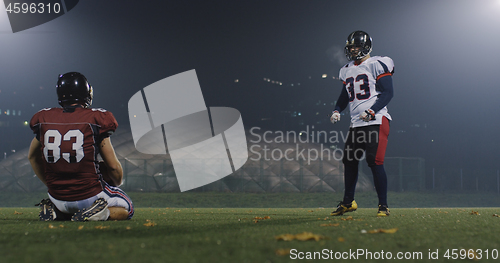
<point>361,85</point>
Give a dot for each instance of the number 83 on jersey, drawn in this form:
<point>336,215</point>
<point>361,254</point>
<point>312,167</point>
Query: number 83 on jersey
<point>53,151</point>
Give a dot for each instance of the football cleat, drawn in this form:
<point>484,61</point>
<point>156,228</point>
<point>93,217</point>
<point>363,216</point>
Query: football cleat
<point>98,211</point>
<point>383,210</point>
<point>343,208</point>
<point>48,210</point>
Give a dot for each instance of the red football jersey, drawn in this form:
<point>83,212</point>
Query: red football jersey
<point>70,146</point>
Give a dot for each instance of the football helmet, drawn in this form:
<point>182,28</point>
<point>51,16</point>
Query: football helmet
<point>362,41</point>
<point>73,87</point>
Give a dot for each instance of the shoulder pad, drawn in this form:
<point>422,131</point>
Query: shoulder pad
<point>99,109</point>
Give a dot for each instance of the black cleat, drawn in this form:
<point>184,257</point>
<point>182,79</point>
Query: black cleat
<point>48,210</point>
<point>383,210</point>
<point>343,208</point>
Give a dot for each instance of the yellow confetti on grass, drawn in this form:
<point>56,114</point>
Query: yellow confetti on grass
<point>337,224</point>
<point>80,227</point>
<point>301,237</point>
<point>475,256</point>
<point>149,223</point>
<point>101,227</point>
<point>285,237</point>
<point>381,230</point>
<point>349,218</point>
<point>282,251</point>
<point>257,218</point>
<point>475,213</point>
<point>52,226</point>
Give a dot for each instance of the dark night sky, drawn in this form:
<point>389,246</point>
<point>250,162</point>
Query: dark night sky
<point>445,54</point>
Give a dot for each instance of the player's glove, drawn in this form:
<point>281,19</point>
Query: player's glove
<point>335,117</point>
<point>368,115</point>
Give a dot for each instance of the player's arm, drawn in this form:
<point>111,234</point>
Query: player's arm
<point>384,85</point>
<point>112,172</point>
<point>36,159</point>
<point>342,103</point>
<point>343,100</point>
<point>383,70</point>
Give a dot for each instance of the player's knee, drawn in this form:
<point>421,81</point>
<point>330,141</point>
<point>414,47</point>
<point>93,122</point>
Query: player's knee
<point>352,157</point>
<point>350,160</point>
<point>371,160</point>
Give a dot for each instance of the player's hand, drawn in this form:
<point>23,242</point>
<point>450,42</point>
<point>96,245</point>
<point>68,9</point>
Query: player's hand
<point>335,117</point>
<point>368,115</point>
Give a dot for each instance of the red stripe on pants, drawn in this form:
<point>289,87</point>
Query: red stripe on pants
<point>383,133</point>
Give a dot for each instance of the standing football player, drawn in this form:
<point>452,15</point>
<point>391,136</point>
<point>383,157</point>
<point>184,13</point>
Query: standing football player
<point>64,153</point>
<point>367,90</point>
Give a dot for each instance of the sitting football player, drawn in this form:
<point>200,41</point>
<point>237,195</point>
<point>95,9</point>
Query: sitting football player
<point>64,155</point>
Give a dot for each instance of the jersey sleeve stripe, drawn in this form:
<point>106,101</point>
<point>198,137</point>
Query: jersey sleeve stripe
<point>386,69</point>
<point>383,75</point>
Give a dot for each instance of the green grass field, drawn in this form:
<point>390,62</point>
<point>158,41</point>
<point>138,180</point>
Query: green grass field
<point>176,234</point>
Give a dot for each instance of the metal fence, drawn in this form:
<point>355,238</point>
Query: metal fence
<point>154,173</point>
<point>157,174</point>
<point>458,179</point>
<point>404,174</point>
<point>255,176</point>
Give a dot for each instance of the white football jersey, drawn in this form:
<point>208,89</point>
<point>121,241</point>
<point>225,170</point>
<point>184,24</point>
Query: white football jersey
<point>360,83</point>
